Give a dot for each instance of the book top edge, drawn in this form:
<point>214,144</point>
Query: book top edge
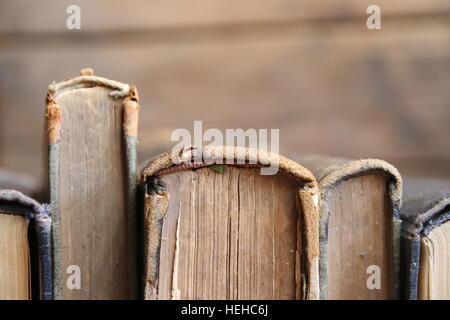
<point>119,90</point>
<point>15,197</point>
<point>426,202</point>
<point>221,155</point>
<point>331,171</point>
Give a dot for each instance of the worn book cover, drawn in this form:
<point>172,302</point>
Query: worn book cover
<point>25,252</point>
<point>359,227</point>
<point>92,132</point>
<point>217,229</point>
<point>426,239</point>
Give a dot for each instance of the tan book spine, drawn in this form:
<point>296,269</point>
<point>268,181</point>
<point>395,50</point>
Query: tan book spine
<point>92,132</point>
<point>233,234</point>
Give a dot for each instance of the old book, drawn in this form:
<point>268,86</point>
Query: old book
<point>217,229</point>
<point>25,256</point>
<point>426,239</point>
<point>92,129</point>
<point>359,227</point>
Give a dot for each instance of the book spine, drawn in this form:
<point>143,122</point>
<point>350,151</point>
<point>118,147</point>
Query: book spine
<point>411,260</point>
<point>130,129</point>
<point>43,228</point>
<point>53,122</point>
<point>53,118</point>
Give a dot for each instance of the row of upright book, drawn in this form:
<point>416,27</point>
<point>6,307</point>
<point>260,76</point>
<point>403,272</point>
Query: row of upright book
<point>204,223</point>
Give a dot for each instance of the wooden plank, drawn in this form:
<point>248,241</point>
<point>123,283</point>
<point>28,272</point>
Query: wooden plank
<point>344,91</point>
<point>116,15</point>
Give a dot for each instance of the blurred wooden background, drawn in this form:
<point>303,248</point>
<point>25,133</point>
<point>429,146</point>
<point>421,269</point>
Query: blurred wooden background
<point>311,69</point>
